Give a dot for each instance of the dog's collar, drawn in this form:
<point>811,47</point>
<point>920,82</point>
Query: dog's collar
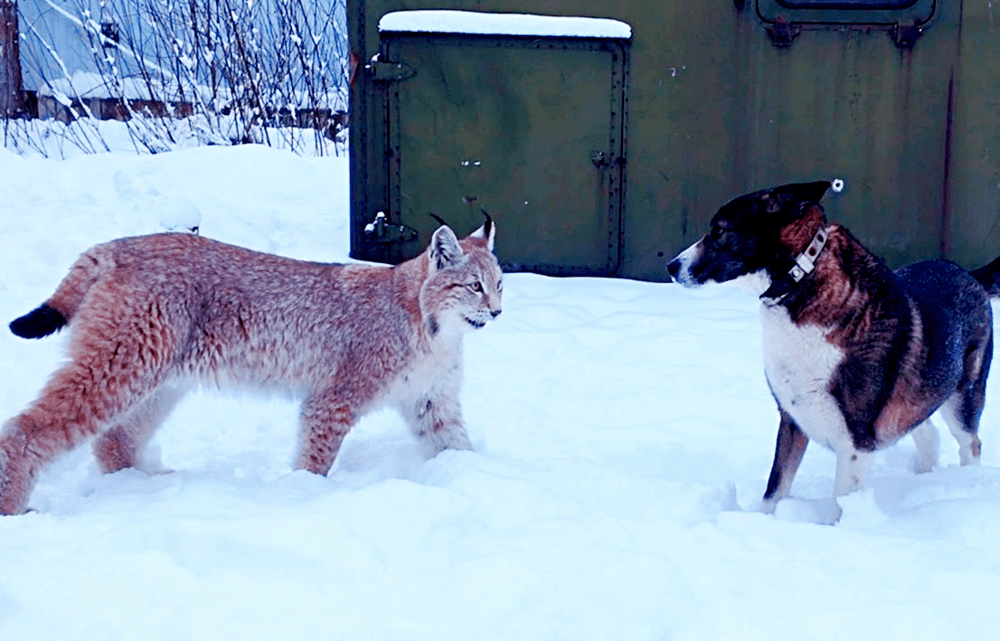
<point>805,263</point>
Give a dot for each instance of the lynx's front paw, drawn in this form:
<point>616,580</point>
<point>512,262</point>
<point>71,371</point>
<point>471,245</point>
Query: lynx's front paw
<point>435,441</point>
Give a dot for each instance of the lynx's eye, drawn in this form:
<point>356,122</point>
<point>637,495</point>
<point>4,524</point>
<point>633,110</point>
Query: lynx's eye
<point>477,287</point>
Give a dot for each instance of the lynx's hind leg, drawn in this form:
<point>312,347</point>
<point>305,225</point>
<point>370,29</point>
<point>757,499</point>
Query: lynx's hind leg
<point>75,405</point>
<point>118,354</point>
<point>437,423</point>
<point>122,445</point>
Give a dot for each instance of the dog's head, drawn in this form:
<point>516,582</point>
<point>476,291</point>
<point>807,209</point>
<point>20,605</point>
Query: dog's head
<point>745,235</point>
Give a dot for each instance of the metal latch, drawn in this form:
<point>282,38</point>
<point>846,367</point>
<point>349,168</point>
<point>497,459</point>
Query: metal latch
<point>382,231</point>
<point>389,71</point>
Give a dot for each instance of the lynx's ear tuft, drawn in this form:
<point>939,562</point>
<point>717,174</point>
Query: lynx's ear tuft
<point>487,232</point>
<point>444,250</point>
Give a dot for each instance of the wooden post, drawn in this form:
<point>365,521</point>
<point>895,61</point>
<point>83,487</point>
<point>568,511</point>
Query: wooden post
<point>11,88</point>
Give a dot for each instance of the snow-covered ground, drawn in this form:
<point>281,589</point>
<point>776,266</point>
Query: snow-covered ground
<point>623,434</point>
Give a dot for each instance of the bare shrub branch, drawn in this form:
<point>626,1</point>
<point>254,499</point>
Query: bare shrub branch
<point>209,71</point>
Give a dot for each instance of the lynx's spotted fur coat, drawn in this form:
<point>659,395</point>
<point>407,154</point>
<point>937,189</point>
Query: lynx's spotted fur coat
<point>153,316</point>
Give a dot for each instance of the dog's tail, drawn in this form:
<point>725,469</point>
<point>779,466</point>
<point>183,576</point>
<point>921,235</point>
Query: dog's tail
<point>989,277</point>
<point>58,310</point>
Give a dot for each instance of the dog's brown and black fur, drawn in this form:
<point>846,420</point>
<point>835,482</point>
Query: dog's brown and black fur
<point>856,355</point>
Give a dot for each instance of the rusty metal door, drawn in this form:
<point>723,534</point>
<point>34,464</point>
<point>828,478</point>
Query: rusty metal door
<point>530,129</point>
<point>898,97</point>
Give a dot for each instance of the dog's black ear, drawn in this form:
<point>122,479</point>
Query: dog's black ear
<point>812,192</point>
<point>804,192</point>
<point>796,194</point>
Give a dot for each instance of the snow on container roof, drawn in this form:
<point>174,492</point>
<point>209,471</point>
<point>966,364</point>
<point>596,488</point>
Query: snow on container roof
<point>514,24</point>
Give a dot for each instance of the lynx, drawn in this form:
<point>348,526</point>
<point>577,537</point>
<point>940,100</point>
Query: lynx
<point>153,316</point>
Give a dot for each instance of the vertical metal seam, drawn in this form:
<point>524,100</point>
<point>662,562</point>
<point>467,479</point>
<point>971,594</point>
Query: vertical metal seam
<point>393,151</point>
<point>946,236</point>
<point>613,259</point>
<point>622,164</point>
<point>945,247</point>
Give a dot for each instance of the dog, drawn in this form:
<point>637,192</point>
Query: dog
<point>855,354</point>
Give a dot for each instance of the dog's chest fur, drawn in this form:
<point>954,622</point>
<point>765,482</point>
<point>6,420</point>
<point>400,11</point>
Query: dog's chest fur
<point>799,364</point>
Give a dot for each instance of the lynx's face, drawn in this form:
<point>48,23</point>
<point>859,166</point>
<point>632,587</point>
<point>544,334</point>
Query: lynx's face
<point>464,286</point>
<point>477,291</point>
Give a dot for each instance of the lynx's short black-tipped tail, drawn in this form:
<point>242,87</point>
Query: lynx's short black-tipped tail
<point>40,322</point>
<point>989,277</point>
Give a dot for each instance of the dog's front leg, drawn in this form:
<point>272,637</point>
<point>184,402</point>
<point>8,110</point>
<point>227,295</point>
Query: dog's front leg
<point>852,466</point>
<point>788,453</point>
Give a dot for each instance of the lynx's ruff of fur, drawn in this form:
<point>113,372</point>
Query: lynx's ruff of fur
<point>153,316</point>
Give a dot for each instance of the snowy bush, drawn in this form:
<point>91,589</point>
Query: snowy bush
<point>272,72</point>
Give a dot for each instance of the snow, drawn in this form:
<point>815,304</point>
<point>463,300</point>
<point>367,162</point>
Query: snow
<point>52,139</point>
<point>623,434</point>
<point>516,24</point>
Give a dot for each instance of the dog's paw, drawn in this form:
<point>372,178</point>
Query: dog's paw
<point>767,506</point>
<point>819,511</point>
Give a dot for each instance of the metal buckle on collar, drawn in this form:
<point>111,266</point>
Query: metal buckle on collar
<point>806,261</point>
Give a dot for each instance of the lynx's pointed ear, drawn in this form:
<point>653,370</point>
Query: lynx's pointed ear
<point>444,249</point>
<point>488,231</point>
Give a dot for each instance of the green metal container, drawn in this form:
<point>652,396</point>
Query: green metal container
<point>605,153</point>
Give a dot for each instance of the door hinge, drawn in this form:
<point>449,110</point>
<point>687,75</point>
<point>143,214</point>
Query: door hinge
<point>602,160</point>
<point>905,35</point>
<point>599,159</point>
<point>389,71</point>
<point>782,32</point>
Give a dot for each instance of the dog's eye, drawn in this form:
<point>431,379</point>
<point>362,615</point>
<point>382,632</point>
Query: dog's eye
<point>718,233</point>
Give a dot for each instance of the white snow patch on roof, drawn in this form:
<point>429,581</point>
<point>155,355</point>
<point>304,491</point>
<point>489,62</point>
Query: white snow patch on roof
<point>516,24</point>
